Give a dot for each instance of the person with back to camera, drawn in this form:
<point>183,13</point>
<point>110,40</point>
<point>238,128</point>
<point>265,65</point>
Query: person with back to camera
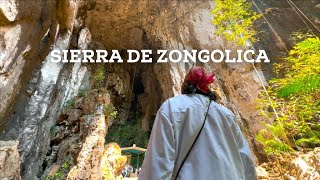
<point>195,138</point>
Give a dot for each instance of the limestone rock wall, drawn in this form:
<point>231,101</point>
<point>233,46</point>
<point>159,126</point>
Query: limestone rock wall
<point>24,41</point>
<point>9,160</point>
<point>95,160</point>
<point>88,161</point>
<point>34,89</point>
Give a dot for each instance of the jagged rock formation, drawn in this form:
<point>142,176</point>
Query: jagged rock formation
<point>88,161</point>
<point>38,88</point>
<point>70,130</point>
<point>9,160</point>
<point>88,128</point>
<point>25,36</point>
<point>34,90</point>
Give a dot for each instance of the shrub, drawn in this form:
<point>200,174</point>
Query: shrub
<point>127,135</point>
<point>110,111</point>
<point>295,95</point>
<point>68,104</point>
<point>234,20</point>
<point>82,92</point>
<point>99,76</point>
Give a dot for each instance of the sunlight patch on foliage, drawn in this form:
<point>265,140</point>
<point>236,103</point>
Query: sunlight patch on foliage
<point>295,95</point>
<point>234,20</point>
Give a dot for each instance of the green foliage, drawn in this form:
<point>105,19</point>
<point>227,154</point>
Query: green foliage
<point>82,92</point>
<point>110,111</point>
<point>234,20</point>
<point>65,166</point>
<point>295,95</point>
<point>300,36</point>
<point>53,129</point>
<point>69,103</point>
<point>308,141</point>
<point>99,75</point>
<point>127,135</point>
<point>58,175</point>
<point>49,178</point>
<point>305,85</point>
<point>270,138</point>
<point>63,170</point>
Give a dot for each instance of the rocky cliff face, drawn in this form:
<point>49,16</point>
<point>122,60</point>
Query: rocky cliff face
<point>9,160</point>
<point>33,90</point>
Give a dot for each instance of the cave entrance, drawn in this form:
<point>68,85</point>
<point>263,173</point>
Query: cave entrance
<point>138,87</point>
<point>135,109</point>
<point>136,102</point>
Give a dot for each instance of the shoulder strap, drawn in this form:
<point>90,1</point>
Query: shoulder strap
<point>184,159</point>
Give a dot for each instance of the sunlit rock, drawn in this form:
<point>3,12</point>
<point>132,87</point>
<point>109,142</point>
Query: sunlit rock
<point>9,160</point>
<point>112,162</point>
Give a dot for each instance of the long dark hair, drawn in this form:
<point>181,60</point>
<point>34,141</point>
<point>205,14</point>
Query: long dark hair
<point>189,88</point>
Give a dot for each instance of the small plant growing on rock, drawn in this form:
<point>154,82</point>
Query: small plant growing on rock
<point>99,76</point>
<point>82,92</point>
<point>68,104</point>
<point>53,129</point>
<point>62,171</point>
<point>110,111</point>
<point>65,166</point>
<point>49,178</point>
<point>58,175</point>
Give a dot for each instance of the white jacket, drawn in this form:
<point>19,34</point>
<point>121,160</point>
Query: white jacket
<point>220,152</point>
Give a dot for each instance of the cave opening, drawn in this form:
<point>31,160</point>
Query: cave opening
<point>137,90</point>
<point>136,103</point>
<point>138,87</point>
